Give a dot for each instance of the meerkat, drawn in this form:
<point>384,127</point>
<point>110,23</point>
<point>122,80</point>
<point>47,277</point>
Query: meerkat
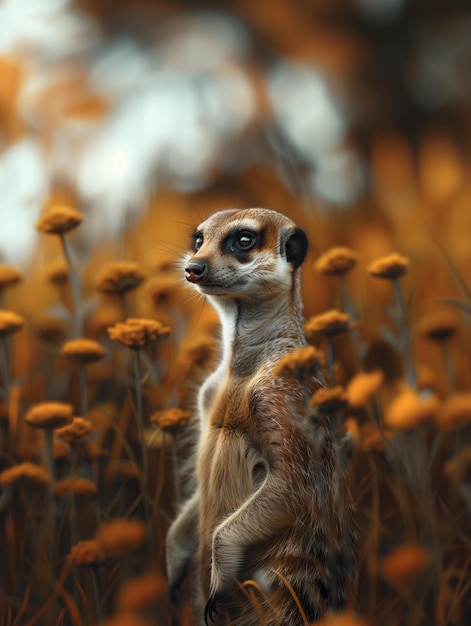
<point>264,513</point>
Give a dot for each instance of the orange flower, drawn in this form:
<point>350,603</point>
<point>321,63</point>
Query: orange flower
<point>91,107</point>
<point>49,415</point>
<point>301,363</point>
<point>372,439</point>
<point>332,322</point>
<point>458,469</point>
<point>389,267</point>
<point>455,412</point>
<point>121,535</point>
<point>328,400</point>
<point>51,329</point>
<point>410,409</point>
<point>347,618</point>
<point>351,426</point>
<point>438,326</point>
<point>10,322</point>
<point>57,271</point>
<point>119,277</point>
<point>60,449</point>
<point>140,593</point>
<point>25,475</point>
<point>163,291</point>
<point>76,432</point>
<point>75,485</point>
<point>137,333</point>
<point>59,220</point>
<point>171,419</point>
<point>427,377</point>
<point>336,261</point>
<point>401,566</point>
<point>87,554</point>
<point>83,350</point>
<point>9,276</point>
<point>127,619</point>
<point>363,386</point>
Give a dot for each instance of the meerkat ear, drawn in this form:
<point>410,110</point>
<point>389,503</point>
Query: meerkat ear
<point>296,247</point>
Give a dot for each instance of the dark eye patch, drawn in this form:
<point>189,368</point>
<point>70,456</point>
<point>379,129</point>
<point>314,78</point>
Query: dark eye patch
<point>240,241</point>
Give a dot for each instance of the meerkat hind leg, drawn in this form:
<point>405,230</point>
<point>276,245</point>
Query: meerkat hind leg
<point>182,542</point>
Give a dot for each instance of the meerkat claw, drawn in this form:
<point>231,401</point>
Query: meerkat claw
<point>210,609</point>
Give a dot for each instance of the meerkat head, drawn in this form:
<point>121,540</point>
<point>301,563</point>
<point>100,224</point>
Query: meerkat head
<point>247,253</point>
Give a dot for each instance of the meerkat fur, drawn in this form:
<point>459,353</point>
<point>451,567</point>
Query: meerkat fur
<point>266,508</point>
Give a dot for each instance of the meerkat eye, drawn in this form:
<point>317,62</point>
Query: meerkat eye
<point>245,241</point>
<point>197,242</point>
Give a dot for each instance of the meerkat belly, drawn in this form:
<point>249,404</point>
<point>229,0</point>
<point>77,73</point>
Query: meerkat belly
<point>226,477</point>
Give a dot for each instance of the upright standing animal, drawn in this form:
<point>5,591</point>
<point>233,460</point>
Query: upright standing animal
<point>266,507</point>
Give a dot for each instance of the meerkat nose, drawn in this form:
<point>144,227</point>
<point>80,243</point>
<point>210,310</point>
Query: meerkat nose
<point>196,271</point>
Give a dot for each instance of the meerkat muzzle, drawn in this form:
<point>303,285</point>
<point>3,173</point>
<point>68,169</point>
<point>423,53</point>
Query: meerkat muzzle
<point>196,272</point>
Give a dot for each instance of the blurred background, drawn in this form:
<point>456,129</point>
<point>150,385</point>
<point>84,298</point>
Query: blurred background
<point>331,108</point>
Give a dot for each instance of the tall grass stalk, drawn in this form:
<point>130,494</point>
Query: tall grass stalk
<point>448,366</point>
<point>330,359</point>
<point>98,593</point>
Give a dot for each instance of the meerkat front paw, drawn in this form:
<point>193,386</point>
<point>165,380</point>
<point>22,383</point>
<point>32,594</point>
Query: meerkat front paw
<point>225,562</point>
<point>218,590</point>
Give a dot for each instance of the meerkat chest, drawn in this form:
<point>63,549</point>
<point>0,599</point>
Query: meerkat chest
<point>242,405</point>
<point>229,450</point>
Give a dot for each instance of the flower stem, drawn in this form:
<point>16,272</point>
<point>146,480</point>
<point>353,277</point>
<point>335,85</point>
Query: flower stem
<point>410,373</point>
<point>73,507</point>
<point>83,390</point>
<point>48,447</point>
<point>5,370</point>
<point>354,334</point>
<point>125,304</point>
<point>330,359</point>
<point>48,439</point>
<point>75,289</point>
<point>140,415</point>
